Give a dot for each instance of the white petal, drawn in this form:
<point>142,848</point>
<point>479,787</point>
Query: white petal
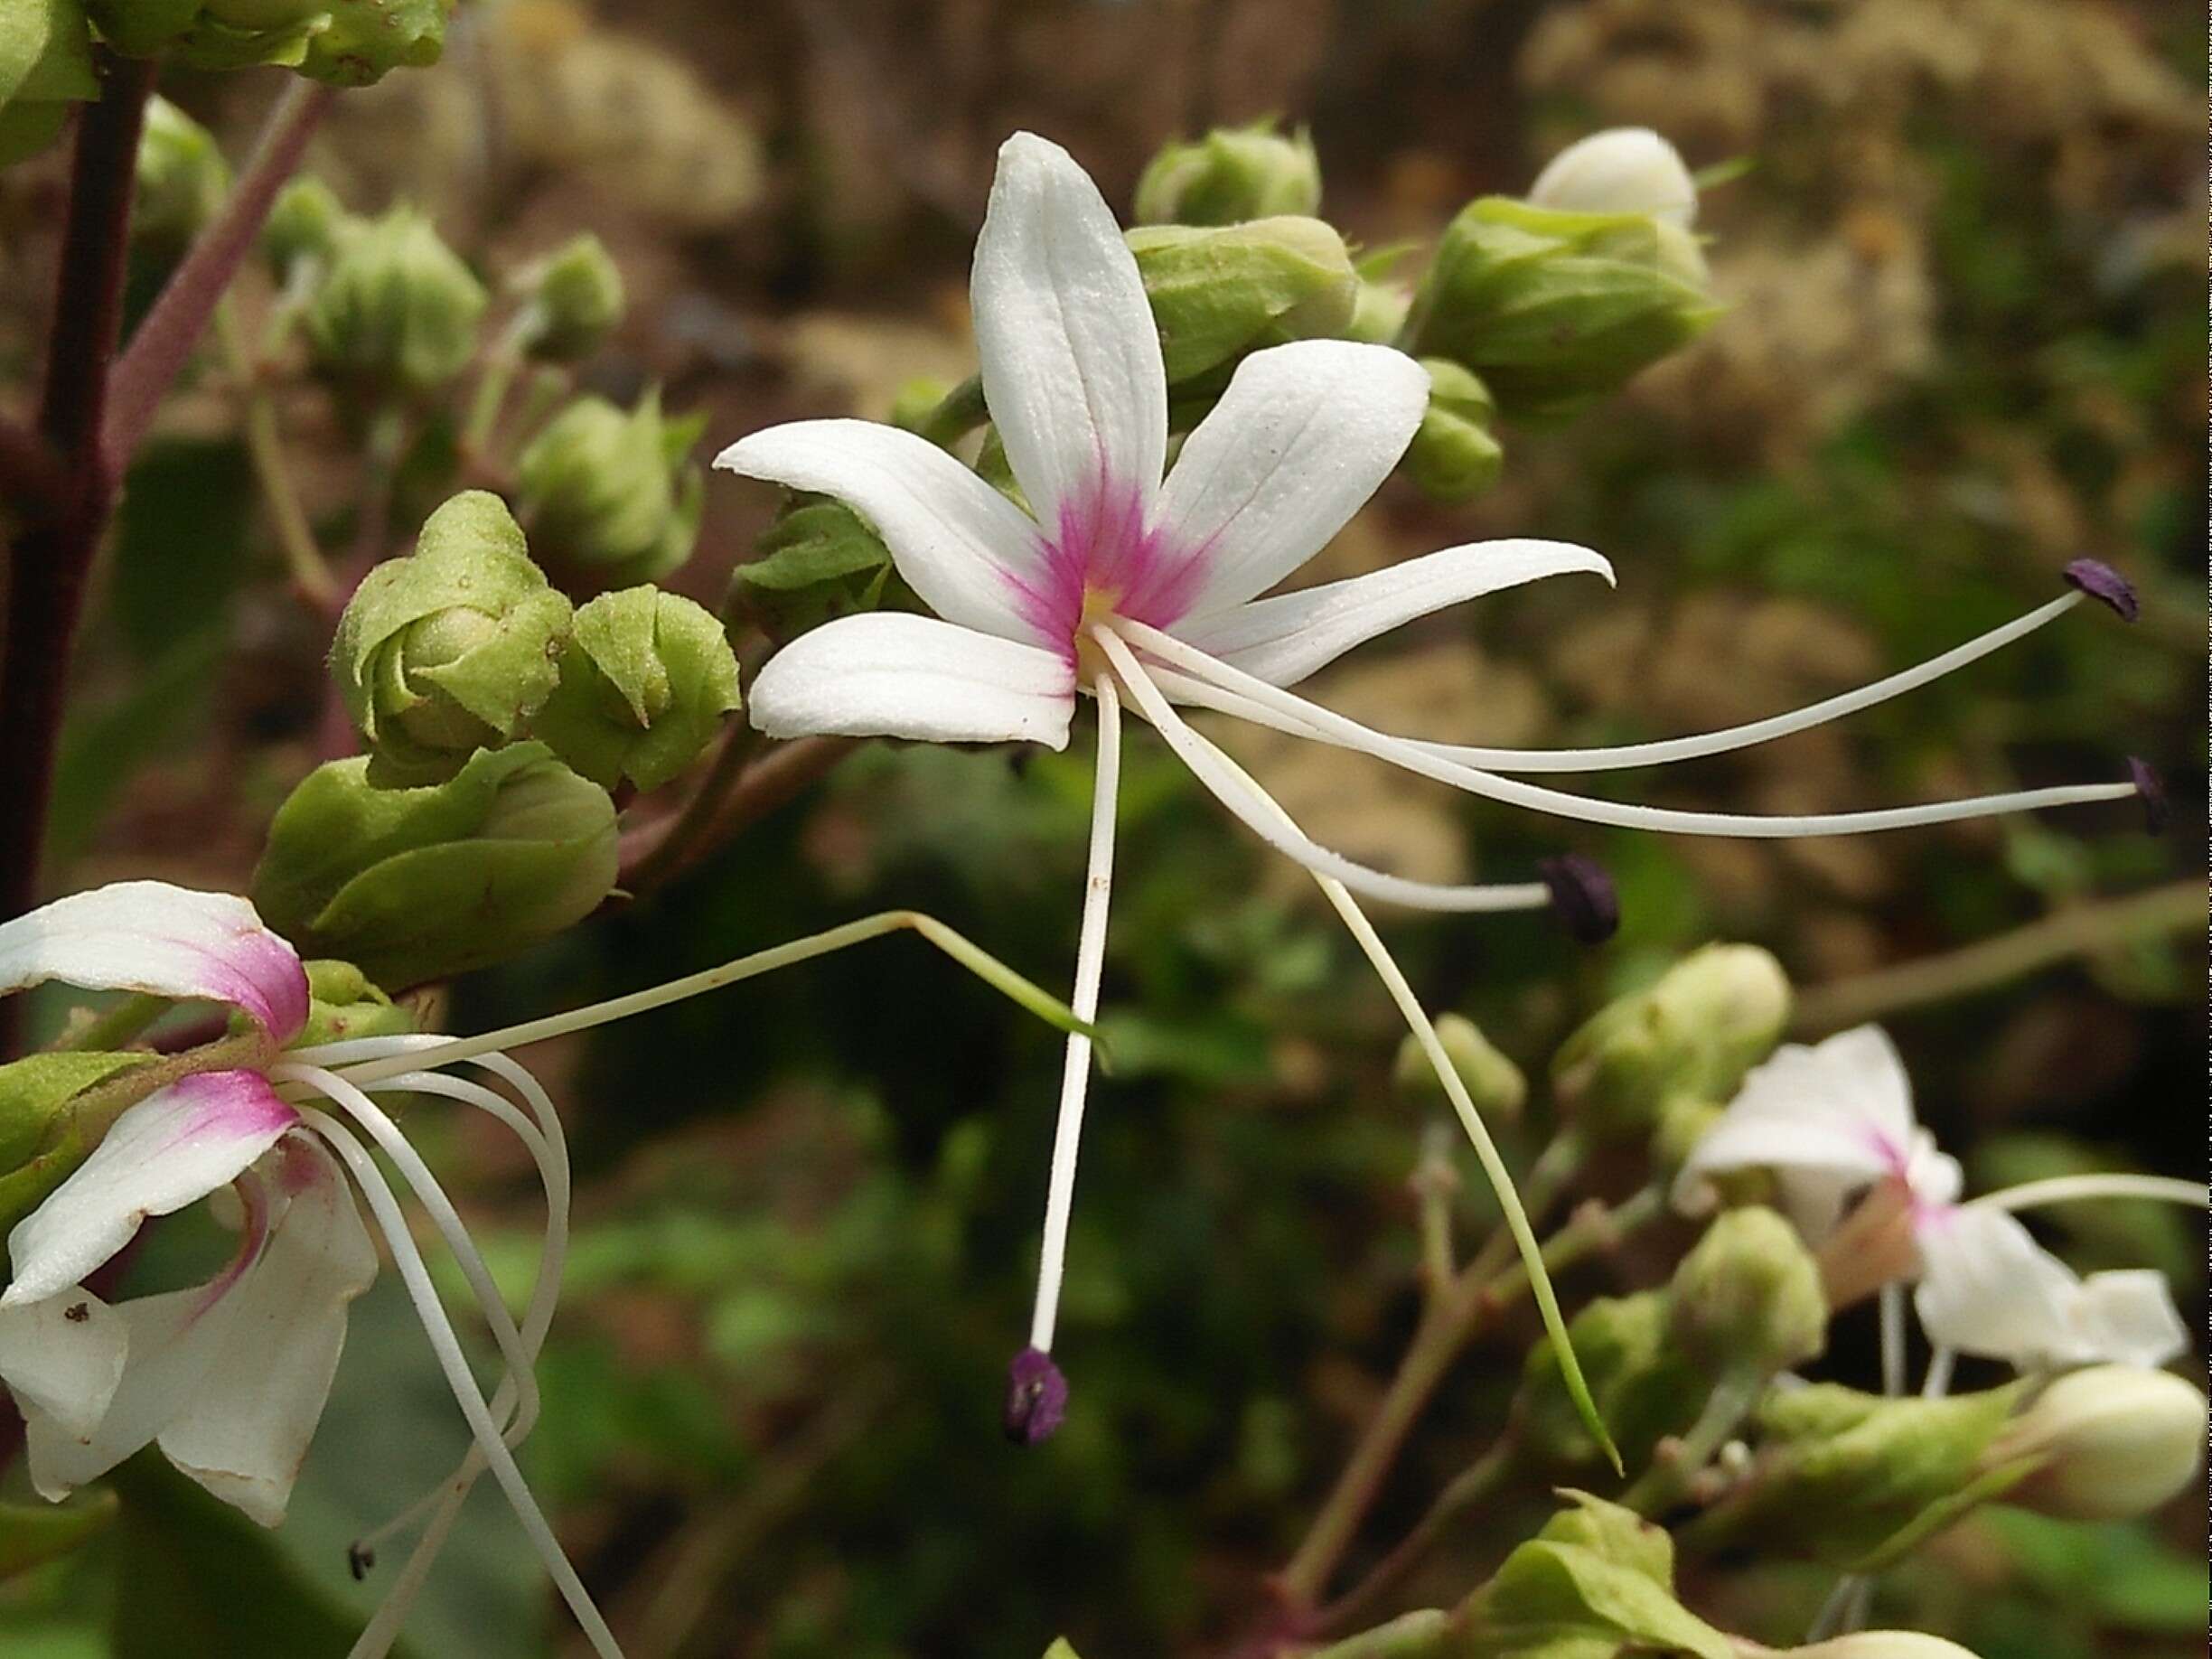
<point>1826,1119</point>
<point>168,941</point>
<point>62,1357</point>
<point>1305,434</point>
<point>1624,170</point>
<point>170,1149</point>
<point>2128,1316</point>
<point>958,543</point>
<point>244,1432</point>
<point>1988,1288</point>
<point>1284,639</point>
<point>886,674</point>
<point>1071,359</point>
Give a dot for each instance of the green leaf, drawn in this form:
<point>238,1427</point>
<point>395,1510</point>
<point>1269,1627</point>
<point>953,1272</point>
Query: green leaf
<point>31,1535</point>
<point>196,1577</point>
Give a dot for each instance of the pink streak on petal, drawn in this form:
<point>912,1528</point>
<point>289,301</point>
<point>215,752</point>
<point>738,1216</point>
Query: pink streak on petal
<point>1101,551</point>
<point>240,1105</point>
<point>261,974</point>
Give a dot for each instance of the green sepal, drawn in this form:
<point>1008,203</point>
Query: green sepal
<point>611,494</point>
<point>1555,310</point>
<point>1218,294</point>
<point>421,883</point>
<point>1592,1585</point>
<point>40,1143</point>
<point>1233,175</point>
<point>398,311</point>
<point>450,648</point>
<point>1455,455</point>
<point>1642,1385</point>
<point>819,559</point>
<point>367,39</point>
<point>646,681</point>
<point>31,1535</point>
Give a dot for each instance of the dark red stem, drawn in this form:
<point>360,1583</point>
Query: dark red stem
<point>165,340</point>
<point>52,555</point>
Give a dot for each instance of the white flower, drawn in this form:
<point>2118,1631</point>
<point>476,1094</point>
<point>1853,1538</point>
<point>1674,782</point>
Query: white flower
<point>229,1378</point>
<point>1834,1120</point>
<point>1121,584</point>
<point>1622,170</point>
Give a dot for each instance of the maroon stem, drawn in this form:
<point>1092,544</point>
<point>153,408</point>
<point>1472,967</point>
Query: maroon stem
<point>51,556</point>
<point>165,340</point>
<point>30,471</point>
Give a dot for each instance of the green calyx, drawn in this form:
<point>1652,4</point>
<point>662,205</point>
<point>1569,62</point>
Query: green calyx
<point>1555,310</point>
<point>1218,294</point>
<point>397,313</point>
<point>452,649</point>
<point>1455,455</point>
<point>305,223</point>
<point>1692,1035</point>
<point>1233,175</point>
<point>1596,1583</point>
<point>1748,1297</point>
<point>1645,1386</point>
<point>572,299</point>
<point>646,681</point>
<point>45,67</point>
<point>40,1139</point>
<point>421,883</point>
<point>613,494</point>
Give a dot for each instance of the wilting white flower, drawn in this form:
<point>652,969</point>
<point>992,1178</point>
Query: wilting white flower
<point>1122,583</point>
<point>1836,1120</point>
<point>229,1378</point>
<point>1622,170</point>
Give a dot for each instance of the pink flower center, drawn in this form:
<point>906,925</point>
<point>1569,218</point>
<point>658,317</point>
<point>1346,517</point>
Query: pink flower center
<point>1102,559</point>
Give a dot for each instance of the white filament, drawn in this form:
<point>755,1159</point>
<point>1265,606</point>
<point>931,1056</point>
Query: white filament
<point>1328,727</point>
<point>439,1330</point>
<point>1075,1072</point>
<point>1208,765</point>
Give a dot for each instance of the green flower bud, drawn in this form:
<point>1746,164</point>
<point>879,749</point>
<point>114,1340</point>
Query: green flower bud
<point>2109,1443</point>
<point>305,222</point>
<point>1554,309</point>
<point>1455,455</point>
<point>1218,294</point>
<point>1879,1645</point>
<point>1683,1123</point>
<point>422,884</point>
<point>342,1003</point>
<point>1493,1082</point>
<point>452,649</point>
<point>212,34</point>
<point>1748,1297</point>
<point>45,66</point>
<point>611,494</point>
<point>644,683</point>
<point>1378,312</point>
<point>40,1142</point>
<point>1621,1535</point>
<point>1842,1473</point>
<point>396,311</point>
<point>818,560</point>
<point>1708,1020</point>
<point>181,178</point>
<point>1233,175</point>
<point>1645,1386</point>
<point>1585,1593</point>
<point>574,297</point>
<point>365,40</point>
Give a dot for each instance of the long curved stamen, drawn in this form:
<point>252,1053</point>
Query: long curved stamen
<point>1500,1180</point>
<point>1754,732</point>
<point>450,1050</point>
<point>1090,965</point>
<point>431,1195</point>
<point>440,1507</point>
<point>540,1131</point>
<point>2065,1189</point>
<point>439,1330</point>
<point>1333,728</point>
<point>1209,766</point>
